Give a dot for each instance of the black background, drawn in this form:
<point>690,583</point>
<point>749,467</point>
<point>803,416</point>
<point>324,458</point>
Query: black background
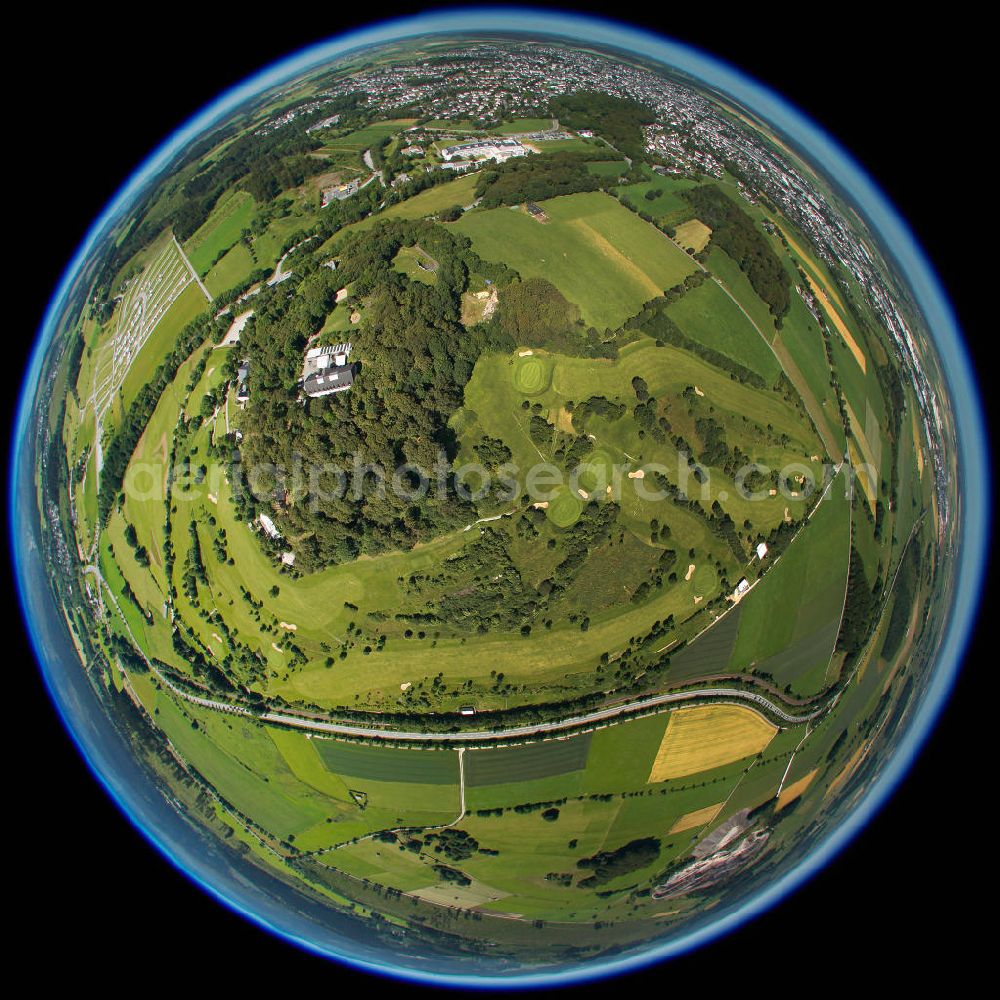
<point>96,92</point>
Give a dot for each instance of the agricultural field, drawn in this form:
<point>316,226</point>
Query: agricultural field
<point>220,231</point>
<point>672,617</point>
<point>607,168</point>
<point>429,202</point>
<point>693,235</point>
<point>806,589</point>
<point>698,739</point>
<point>519,125</point>
<point>596,252</point>
<point>371,135</point>
<point>659,197</point>
<point>232,269</point>
<point>710,316</point>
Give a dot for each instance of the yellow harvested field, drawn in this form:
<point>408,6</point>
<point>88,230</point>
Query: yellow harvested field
<point>869,473</point>
<point>863,474</point>
<point>847,770</point>
<point>795,790</point>
<point>693,235</point>
<point>861,435</point>
<point>691,820</point>
<point>839,324</point>
<point>707,736</point>
<point>916,441</point>
<point>613,254</point>
<point>463,897</point>
<point>813,269</point>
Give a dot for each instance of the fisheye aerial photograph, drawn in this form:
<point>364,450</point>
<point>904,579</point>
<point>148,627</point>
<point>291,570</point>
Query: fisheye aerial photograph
<point>498,498</point>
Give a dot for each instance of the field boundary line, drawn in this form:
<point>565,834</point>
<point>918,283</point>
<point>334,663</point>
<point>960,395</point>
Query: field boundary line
<point>190,267</point>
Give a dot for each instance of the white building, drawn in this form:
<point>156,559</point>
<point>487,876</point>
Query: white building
<point>269,527</point>
<point>325,123</point>
<point>485,149</point>
<point>761,550</point>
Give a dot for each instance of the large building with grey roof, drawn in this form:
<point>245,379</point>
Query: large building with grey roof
<point>327,370</point>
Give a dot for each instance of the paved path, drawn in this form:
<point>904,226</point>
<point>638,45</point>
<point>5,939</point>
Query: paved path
<point>585,720</point>
<point>785,362</point>
<point>194,273</point>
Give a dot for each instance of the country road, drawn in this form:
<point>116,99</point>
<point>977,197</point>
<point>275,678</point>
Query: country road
<point>190,267</point>
<point>584,720</point>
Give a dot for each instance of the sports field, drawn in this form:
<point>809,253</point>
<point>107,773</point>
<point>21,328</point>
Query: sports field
<point>373,585</point>
<point>532,374</point>
<point>594,250</point>
<point>564,509</point>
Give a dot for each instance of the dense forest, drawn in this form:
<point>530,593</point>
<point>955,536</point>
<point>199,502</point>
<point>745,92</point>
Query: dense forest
<point>609,865</point>
<point>534,178</point>
<point>619,120</point>
<point>535,313</point>
<point>414,358</point>
<point>734,231</point>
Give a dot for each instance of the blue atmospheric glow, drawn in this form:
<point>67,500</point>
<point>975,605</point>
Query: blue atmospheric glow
<point>820,149</point>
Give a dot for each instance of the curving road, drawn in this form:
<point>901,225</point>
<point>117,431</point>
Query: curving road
<point>583,720</point>
<point>534,729</point>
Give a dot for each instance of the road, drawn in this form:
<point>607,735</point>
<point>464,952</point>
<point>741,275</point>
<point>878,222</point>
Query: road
<point>585,720</point>
<point>495,517</point>
<point>194,273</point>
<point>791,371</point>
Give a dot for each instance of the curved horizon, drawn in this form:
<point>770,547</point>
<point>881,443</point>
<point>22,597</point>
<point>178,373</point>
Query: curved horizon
<point>894,235</point>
